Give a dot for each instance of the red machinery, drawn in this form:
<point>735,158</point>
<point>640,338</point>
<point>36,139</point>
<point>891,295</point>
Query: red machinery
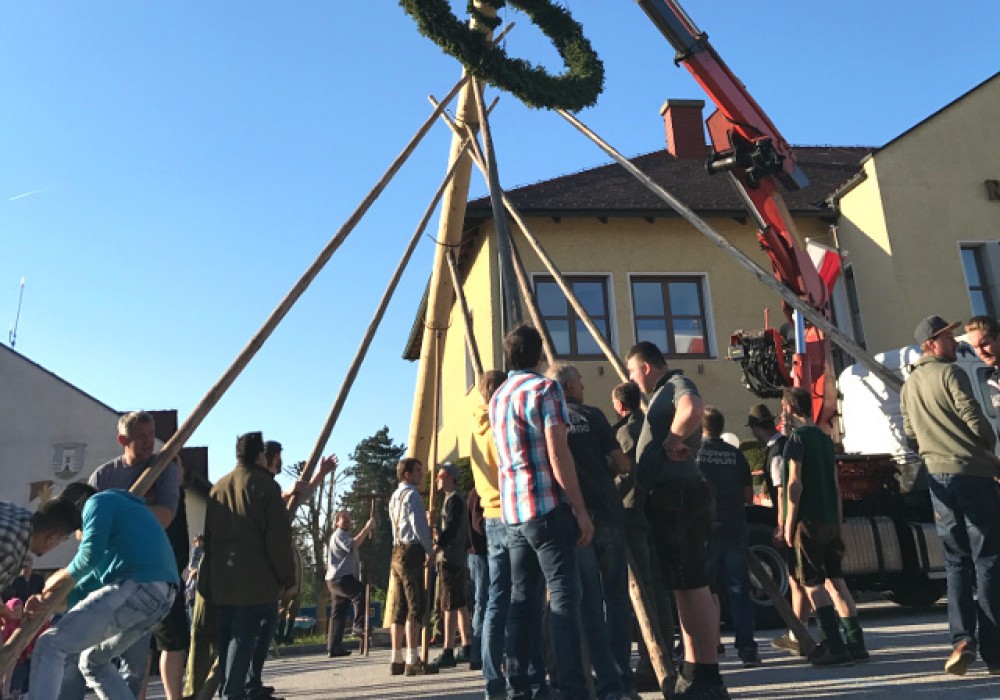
<point>748,147</point>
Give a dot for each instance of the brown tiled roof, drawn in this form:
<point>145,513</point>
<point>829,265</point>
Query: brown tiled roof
<point>609,190</point>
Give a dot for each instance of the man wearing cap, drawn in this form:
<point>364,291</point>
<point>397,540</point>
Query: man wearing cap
<point>451,543</point>
<point>248,562</point>
<point>956,442</point>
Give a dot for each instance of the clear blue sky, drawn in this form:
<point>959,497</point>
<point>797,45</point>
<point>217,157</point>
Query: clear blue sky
<point>169,169</point>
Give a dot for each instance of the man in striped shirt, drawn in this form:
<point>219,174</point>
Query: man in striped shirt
<point>541,504</point>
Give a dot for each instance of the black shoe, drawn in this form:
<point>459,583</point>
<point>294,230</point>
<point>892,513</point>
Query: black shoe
<point>397,669</point>
<point>446,659</point>
<point>337,653</point>
<point>419,669</point>
<point>826,656</point>
<point>858,653</point>
<point>645,683</point>
<point>700,689</point>
<point>749,657</point>
<point>475,665</point>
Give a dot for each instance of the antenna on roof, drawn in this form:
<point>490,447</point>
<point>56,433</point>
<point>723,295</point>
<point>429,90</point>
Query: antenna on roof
<point>12,334</point>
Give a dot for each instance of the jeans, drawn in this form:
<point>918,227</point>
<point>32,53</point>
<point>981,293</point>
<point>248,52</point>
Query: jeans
<point>115,620</point>
<point>239,628</point>
<point>479,575</point>
<point>543,553</point>
<point>967,511</point>
<point>604,607</point>
<point>727,556</point>
<point>255,679</point>
<point>495,638</point>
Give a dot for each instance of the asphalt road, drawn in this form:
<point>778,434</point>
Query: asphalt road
<point>908,651</point>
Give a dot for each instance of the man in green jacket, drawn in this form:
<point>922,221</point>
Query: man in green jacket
<point>956,442</point>
<point>248,560</point>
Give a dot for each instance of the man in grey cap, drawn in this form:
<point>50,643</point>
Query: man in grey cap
<point>956,442</point>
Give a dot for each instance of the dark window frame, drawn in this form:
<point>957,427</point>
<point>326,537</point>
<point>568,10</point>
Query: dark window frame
<point>983,287</point>
<point>664,280</point>
<point>571,316</point>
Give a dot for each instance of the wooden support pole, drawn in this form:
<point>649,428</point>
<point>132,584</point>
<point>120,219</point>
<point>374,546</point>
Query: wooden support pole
<point>359,356</point>
<point>470,339</point>
<point>431,469</point>
<point>366,629</point>
<point>439,298</point>
<point>20,639</point>
<point>806,643</point>
<point>764,277</point>
<point>527,293</point>
<point>662,663</point>
<point>511,305</point>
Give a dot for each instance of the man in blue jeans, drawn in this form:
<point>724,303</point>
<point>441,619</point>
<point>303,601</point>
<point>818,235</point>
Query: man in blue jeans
<point>126,580</point>
<point>607,619</point>
<point>956,442</point>
<point>543,510</point>
<point>248,562</point>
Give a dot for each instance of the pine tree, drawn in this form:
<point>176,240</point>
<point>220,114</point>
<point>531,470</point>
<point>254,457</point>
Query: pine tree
<point>373,476</point>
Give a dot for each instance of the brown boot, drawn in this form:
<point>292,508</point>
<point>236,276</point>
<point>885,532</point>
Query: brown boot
<point>419,669</point>
<point>960,660</point>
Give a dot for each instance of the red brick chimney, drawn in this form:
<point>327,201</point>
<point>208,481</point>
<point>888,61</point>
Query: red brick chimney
<point>685,128</point>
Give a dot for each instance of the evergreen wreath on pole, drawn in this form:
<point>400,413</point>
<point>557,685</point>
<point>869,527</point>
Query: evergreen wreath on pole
<point>573,90</point>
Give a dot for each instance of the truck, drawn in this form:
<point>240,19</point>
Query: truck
<point>889,533</point>
<point>891,541</point>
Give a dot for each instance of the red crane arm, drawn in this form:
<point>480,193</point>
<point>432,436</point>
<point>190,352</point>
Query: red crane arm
<point>748,146</point>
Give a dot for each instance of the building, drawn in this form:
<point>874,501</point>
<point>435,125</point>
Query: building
<point>54,433</point>
<point>915,219</point>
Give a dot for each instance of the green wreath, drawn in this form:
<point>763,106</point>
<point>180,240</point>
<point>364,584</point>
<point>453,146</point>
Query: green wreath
<point>573,90</point>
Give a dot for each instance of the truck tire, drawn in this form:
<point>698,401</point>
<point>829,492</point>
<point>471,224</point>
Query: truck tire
<point>762,545</point>
<point>917,591</point>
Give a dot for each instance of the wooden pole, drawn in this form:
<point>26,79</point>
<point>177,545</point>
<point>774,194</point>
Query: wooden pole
<point>523,284</point>
<point>366,639</point>
<point>663,664</point>
<point>470,339</point>
<point>359,356</point>
<point>431,468</point>
<point>511,304</point>
<point>806,643</point>
<point>764,277</point>
<point>439,298</point>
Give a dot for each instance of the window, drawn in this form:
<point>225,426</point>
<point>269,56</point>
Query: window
<point>670,312</point>
<point>570,338</point>
<point>852,301</point>
<point>975,279</point>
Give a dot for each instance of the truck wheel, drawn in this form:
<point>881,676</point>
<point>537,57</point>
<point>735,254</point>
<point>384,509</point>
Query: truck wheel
<point>762,545</point>
<point>917,591</point>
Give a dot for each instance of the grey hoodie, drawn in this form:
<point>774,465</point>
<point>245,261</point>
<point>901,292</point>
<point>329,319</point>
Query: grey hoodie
<point>940,411</point>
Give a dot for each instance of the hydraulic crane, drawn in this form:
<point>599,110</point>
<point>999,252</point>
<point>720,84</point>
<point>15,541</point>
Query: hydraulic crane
<point>747,146</point>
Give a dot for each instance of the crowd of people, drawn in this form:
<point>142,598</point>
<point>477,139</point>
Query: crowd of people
<point>532,566</point>
<point>564,503</point>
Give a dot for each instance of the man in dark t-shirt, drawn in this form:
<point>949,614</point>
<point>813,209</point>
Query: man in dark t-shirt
<point>603,571</point>
<point>812,529</point>
<point>727,470</point>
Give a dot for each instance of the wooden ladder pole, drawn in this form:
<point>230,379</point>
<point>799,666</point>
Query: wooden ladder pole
<point>431,469</point>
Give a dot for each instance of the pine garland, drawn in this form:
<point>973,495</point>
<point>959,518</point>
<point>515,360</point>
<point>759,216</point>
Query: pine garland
<point>578,87</point>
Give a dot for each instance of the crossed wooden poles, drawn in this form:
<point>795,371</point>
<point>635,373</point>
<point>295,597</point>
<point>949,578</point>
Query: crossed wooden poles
<point>465,146</point>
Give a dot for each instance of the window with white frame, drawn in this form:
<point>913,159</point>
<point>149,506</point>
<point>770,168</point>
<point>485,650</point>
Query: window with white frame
<point>570,337</point>
<point>671,312</point>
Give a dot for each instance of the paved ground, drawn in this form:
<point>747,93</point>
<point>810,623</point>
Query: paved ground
<point>908,652</point>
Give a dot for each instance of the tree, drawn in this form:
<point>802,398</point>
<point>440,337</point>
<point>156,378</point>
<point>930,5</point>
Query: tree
<point>373,474</point>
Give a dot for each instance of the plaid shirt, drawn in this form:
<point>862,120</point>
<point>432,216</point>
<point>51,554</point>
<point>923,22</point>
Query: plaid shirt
<point>520,411</point>
<point>15,535</point>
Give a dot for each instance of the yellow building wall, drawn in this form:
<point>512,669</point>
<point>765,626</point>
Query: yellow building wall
<point>925,194</point>
<point>733,299</point>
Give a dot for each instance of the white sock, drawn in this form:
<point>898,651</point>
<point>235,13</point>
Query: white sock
<point>397,656</point>
<point>412,656</point>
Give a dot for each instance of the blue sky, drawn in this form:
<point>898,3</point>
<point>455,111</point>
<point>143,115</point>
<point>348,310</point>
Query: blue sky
<point>169,169</point>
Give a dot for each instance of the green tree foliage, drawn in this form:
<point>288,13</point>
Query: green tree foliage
<point>372,472</point>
